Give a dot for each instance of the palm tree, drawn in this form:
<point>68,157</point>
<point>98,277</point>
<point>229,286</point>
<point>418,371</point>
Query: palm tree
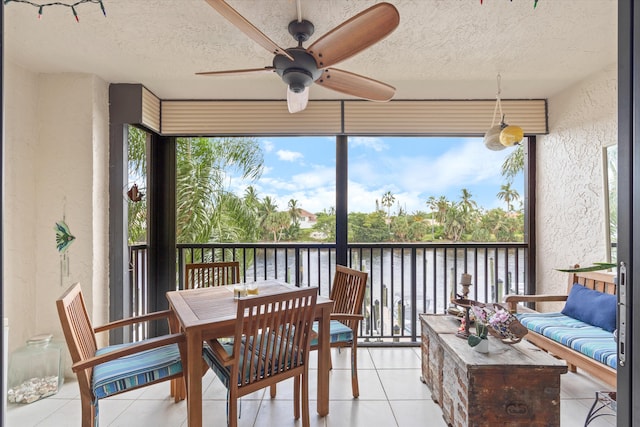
<point>137,211</point>
<point>205,209</point>
<point>433,206</point>
<point>467,203</point>
<point>232,220</point>
<point>513,164</point>
<point>282,223</point>
<point>455,222</point>
<point>251,202</point>
<point>509,195</point>
<point>387,200</point>
<point>267,216</point>
<point>294,211</point>
<point>251,198</point>
<point>432,203</point>
<point>442,205</point>
<point>194,201</point>
<point>468,210</point>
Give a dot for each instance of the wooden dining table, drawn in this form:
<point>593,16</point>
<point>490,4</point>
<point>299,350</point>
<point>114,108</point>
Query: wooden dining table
<point>208,313</point>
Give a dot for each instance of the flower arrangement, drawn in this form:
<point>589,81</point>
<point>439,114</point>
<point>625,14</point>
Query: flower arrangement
<point>497,321</point>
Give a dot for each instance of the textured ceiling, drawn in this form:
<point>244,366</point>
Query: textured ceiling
<point>442,49</point>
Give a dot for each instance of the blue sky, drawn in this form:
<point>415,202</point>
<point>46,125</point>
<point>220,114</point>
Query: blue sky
<point>411,168</point>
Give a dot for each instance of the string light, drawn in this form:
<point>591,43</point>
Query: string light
<point>72,6</point>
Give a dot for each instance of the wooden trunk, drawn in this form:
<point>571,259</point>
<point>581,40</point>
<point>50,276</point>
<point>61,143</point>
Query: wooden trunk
<point>512,385</point>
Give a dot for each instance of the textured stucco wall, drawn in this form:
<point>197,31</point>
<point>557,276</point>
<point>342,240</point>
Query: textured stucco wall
<point>56,167</point>
<point>570,186</point>
<point>19,213</point>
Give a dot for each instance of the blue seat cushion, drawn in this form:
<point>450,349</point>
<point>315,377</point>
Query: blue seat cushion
<point>580,336</point>
<point>224,372</point>
<point>338,332</point>
<point>134,370</point>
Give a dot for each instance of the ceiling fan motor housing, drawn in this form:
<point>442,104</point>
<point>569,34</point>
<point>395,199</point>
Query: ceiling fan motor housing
<point>299,73</point>
<point>301,30</point>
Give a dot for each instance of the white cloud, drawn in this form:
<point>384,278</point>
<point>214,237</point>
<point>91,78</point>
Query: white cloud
<point>267,145</point>
<point>289,156</point>
<point>316,177</point>
<point>312,200</point>
<point>412,179</point>
<point>464,164</point>
<point>376,144</point>
<point>314,189</point>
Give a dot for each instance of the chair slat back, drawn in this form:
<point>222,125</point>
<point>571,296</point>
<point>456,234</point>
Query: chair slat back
<point>204,275</point>
<point>77,328</point>
<point>276,327</point>
<point>347,292</point>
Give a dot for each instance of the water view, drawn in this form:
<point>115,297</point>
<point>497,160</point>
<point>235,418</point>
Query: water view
<point>403,282</point>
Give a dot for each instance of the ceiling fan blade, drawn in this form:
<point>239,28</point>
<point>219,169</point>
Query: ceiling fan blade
<point>354,35</point>
<point>297,102</point>
<point>237,72</point>
<point>356,85</point>
<point>247,27</point>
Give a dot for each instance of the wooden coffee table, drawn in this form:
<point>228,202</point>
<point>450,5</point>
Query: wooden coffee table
<point>515,385</point>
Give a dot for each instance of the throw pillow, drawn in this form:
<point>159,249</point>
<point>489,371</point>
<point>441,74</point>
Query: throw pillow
<point>592,307</point>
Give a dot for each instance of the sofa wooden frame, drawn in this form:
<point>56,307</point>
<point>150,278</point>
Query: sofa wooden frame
<point>598,280</point>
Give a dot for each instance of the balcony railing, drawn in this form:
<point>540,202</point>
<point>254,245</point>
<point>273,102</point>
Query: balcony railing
<point>405,280</point>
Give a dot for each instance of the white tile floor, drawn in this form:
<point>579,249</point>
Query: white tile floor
<point>391,394</point>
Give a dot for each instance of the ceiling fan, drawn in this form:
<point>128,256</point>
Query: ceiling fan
<point>300,67</point>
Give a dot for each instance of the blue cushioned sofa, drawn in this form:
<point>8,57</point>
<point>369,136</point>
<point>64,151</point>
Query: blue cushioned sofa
<point>583,332</point>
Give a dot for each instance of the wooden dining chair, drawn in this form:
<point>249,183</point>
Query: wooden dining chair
<point>111,370</point>
<point>270,344</point>
<point>347,292</point>
<point>204,275</point>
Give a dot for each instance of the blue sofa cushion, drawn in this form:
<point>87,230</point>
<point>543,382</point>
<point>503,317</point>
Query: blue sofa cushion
<point>592,307</point>
<point>587,339</point>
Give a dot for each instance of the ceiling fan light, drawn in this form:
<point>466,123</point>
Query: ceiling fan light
<point>297,101</point>
<point>297,79</point>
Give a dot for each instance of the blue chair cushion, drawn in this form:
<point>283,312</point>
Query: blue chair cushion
<point>224,372</point>
<point>338,332</point>
<point>587,339</point>
<point>134,370</point>
<point>592,307</point>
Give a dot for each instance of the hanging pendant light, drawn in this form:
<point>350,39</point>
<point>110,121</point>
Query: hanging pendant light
<point>511,135</point>
<point>492,138</point>
<point>501,136</point>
